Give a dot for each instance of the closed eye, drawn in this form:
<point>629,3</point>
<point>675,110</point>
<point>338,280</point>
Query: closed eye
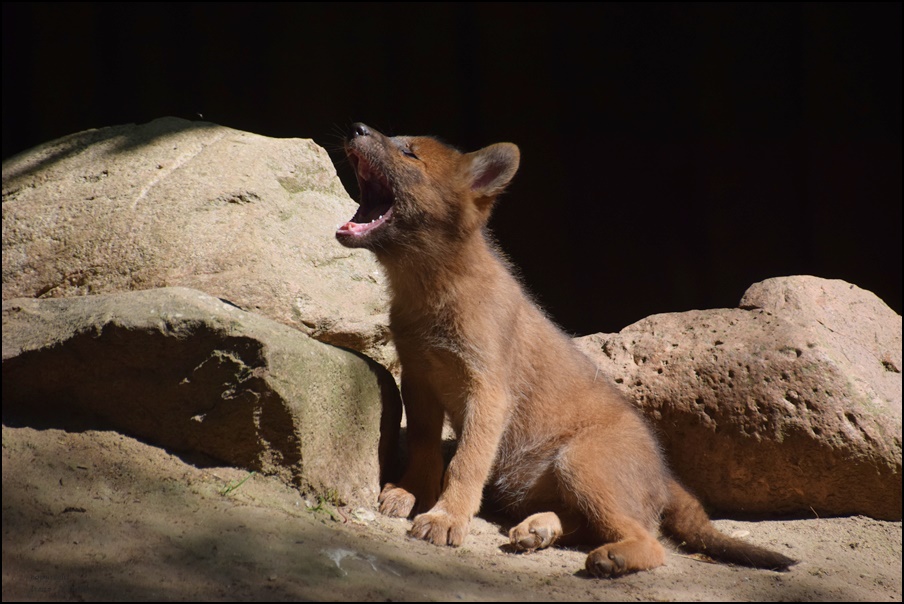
<point>408,152</point>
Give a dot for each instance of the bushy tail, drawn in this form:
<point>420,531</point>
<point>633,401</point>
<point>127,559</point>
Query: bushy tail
<point>686,521</point>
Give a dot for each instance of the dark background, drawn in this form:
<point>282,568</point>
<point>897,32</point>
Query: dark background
<point>672,154</point>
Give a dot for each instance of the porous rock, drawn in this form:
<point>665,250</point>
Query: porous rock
<point>190,372</point>
<point>790,404</point>
<point>178,203</point>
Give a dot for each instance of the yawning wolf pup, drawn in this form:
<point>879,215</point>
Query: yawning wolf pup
<point>536,423</point>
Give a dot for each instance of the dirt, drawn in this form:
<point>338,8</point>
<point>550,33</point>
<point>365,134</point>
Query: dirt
<point>96,515</point>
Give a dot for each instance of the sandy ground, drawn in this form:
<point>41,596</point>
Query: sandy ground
<point>97,515</point>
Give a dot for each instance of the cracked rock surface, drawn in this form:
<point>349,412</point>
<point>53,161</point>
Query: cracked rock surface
<point>173,202</point>
<point>789,404</point>
<point>182,369</point>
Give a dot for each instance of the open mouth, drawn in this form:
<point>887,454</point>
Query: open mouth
<point>376,200</point>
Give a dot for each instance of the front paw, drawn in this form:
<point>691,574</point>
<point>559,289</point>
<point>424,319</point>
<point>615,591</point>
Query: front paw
<point>396,501</point>
<point>440,528</point>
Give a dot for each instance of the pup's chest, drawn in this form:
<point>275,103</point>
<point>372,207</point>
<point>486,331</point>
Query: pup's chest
<point>450,382</point>
<point>448,354</point>
<point>437,361</point>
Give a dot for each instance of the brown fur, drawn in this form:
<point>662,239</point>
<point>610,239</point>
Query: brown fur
<point>537,424</point>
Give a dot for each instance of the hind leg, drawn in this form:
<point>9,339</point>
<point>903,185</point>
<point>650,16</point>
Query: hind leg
<point>636,549</point>
<point>616,478</point>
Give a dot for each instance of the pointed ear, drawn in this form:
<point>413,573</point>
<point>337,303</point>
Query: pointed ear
<point>493,167</point>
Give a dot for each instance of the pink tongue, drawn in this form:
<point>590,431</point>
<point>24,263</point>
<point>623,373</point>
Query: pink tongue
<point>351,226</point>
<point>356,228</point>
<point>360,228</point>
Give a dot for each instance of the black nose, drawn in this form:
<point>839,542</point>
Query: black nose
<point>359,129</point>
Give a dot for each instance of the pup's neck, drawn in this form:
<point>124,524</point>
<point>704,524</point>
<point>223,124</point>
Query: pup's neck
<point>441,271</point>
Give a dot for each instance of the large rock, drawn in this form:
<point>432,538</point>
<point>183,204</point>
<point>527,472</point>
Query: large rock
<point>790,404</point>
<point>177,203</point>
<point>190,372</point>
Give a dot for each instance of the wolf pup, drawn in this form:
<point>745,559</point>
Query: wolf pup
<point>552,442</point>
